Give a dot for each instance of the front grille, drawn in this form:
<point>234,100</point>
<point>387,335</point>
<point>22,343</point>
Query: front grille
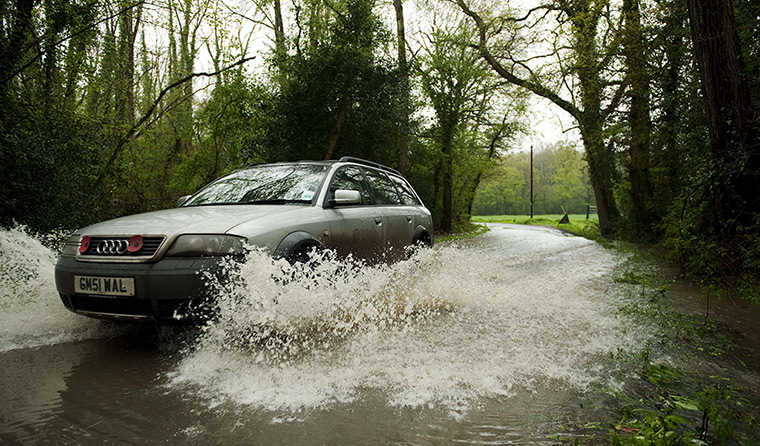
<point>150,246</point>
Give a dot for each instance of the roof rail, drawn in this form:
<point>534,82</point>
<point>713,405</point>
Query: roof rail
<point>353,159</point>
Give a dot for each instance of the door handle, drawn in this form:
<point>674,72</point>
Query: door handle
<point>378,221</point>
<point>408,218</point>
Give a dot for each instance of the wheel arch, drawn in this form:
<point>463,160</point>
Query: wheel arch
<point>295,241</point>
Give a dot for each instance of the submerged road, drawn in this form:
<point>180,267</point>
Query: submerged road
<point>506,338</point>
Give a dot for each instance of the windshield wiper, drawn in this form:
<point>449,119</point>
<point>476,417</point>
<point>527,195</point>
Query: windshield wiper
<point>274,201</point>
<point>270,201</point>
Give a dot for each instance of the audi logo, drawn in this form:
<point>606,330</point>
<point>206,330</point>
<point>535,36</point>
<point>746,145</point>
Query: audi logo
<point>112,247</point>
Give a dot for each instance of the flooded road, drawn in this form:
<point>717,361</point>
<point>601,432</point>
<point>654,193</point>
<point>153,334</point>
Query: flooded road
<point>508,338</point>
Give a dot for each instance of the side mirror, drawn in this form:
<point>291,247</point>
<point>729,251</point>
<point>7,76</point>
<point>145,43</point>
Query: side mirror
<point>182,200</point>
<point>343,196</point>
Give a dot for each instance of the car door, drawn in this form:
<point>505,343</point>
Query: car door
<point>355,229</point>
<point>396,217</point>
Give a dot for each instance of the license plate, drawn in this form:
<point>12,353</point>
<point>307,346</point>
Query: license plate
<point>104,286</point>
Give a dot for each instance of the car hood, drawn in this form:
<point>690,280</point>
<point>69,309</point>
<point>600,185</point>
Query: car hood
<point>217,219</point>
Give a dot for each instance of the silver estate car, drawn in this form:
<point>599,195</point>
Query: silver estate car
<point>147,267</point>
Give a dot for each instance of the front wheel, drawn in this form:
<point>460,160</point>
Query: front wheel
<point>421,242</point>
<point>304,254</point>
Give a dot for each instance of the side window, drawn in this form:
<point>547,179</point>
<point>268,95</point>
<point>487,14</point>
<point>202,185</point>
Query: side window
<point>385,192</point>
<point>350,178</point>
<point>407,196</point>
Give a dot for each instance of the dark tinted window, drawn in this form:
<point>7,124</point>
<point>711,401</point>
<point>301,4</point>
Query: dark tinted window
<point>385,192</point>
<point>350,178</point>
<point>407,196</point>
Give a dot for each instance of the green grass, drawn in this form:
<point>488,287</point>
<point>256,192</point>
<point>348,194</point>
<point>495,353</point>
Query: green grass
<point>474,230</point>
<point>578,224</point>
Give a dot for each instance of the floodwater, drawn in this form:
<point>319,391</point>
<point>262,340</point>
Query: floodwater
<point>502,339</point>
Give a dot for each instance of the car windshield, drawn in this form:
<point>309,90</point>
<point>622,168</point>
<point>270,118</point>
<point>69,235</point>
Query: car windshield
<point>266,184</point>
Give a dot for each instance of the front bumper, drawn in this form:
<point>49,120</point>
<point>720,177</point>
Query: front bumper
<point>169,291</point>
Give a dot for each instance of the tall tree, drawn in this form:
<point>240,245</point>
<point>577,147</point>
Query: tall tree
<point>639,118</point>
<point>731,118</point>
<point>460,89</point>
<point>336,94</point>
<point>597,96</point>
<point>404,97</point>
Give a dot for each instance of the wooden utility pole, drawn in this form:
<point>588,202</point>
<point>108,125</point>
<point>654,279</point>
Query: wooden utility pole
<point>531,181</point>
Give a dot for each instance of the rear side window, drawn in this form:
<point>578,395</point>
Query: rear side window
<point>350,178</point>
<point>407,196</point>
<point>385,191</point>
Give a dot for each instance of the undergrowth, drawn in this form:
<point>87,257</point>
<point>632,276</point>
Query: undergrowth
<point>669,404</point>
<point>472,231</point>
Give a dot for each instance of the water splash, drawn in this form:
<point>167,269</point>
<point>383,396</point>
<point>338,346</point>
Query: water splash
<point>32,313</point>
<point>279,310</point>
<point>451,326</point>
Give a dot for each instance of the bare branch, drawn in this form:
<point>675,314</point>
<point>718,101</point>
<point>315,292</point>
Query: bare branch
<point>616,98</point>
<point>531,84</point>
<point>149,113</point>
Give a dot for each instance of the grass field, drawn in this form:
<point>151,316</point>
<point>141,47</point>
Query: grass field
<point>578,223</point>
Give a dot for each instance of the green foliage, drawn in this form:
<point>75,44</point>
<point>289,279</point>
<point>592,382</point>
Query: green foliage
<point>44,162</point>
<point>661,375</point>
<point>671,422</point>
<point>721,255</point>
<point>680,405</point>
<point>338,96</point>
<point>234,115</point>
<point>559,177</point>
<point>648,427</point>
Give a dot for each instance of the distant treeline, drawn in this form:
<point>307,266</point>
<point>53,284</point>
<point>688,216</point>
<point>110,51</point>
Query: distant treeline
<point>560,180</point>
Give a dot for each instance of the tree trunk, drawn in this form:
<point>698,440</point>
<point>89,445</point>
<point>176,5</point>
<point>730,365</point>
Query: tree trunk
<point>50,61</point>
<point>730,116</point>
<point>601,161</point>
<point>447,179</point>
<point>125,81</point>
<point>403,141</point>
<point>639,119</point>
<point>672,78</point>
<point>279,30</point>
<point>337,122</point>
<point>601,167</point>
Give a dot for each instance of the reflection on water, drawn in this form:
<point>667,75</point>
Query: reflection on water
<point>115,391</point>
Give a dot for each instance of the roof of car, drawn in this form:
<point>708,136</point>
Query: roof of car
<point>345,159</point>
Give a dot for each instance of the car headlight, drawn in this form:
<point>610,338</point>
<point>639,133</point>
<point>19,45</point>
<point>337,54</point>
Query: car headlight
<point>193,245</point>
<point>71,246</point>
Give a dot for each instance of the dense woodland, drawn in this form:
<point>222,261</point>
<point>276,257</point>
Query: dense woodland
<point>110,107</point>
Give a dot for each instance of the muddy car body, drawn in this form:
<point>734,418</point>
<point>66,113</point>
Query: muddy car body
<point>154,266</point>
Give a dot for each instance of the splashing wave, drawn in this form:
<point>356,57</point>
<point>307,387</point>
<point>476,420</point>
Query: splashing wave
<point>32,313</point>
<point>528,309</point>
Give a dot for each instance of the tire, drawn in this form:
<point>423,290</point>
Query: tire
<point>303,253</point>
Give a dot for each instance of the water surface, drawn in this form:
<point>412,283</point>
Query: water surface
<point>504,339</point>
